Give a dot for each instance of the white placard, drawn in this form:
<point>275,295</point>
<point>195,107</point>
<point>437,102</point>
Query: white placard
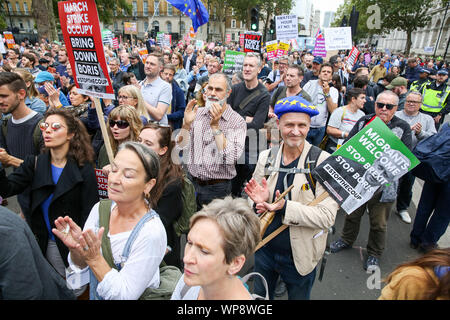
<point>287,27</point>
<point>428,49</point>
<point>2,45</point>
<point>338,38</point>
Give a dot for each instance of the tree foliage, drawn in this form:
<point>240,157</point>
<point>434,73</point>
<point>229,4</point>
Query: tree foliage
<point>404,15</point>
<point>267,9</point>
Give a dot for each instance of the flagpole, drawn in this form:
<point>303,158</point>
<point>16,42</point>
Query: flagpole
<point>207,29</point>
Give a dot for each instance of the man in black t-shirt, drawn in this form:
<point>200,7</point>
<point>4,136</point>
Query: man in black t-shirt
<point>251,100</point>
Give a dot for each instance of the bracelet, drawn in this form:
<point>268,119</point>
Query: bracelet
<point>327,96</point>
<point>59,106</point>
<point>216,132</point>
<point>343,134</point>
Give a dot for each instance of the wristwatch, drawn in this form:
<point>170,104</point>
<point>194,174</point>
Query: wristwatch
<point>216,132</point>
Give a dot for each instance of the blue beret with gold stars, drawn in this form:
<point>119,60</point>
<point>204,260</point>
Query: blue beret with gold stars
<point>294,104</point>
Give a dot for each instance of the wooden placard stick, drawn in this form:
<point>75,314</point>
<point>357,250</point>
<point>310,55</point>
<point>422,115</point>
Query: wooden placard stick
<point>101,120</point>
<point>267,217</point>
<point>284,226</point>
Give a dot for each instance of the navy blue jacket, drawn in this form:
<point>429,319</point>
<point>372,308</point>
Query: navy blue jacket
<point>178,106</point>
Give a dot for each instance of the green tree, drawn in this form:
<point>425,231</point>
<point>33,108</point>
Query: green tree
<point>221,10</point>
<point>44,17</point>
<point>345,9</point>
<point>267,9</point>
<point>404,15</point>
<point>4,19</point>
<point>45,13</point>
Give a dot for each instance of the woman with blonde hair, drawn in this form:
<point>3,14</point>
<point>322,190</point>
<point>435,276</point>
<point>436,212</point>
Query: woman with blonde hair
<point>132,96</point>
<point>222,236</point>
<point>32,101</point>
<point>123,125</point>
<point>180,74</point>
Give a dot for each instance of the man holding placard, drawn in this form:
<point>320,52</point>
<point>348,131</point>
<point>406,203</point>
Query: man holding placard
<point>382,201</point>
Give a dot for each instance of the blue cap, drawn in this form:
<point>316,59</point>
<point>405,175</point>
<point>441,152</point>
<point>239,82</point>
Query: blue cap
<point>294,104</point>
<point>44,76</point>
<point>442,71</point>
<point>318,60</point>
<point>424,70</point>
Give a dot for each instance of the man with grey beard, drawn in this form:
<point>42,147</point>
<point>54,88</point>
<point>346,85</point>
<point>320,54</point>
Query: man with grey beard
<point>213,138</point>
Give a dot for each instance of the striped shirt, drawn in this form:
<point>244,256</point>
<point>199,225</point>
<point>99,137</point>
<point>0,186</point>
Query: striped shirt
<point>203,159</point>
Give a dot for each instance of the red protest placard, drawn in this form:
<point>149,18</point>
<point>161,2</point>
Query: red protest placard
<point>352,57</point>
<point>252,42</point>
<point>81,30</point>
<point>102,184</point>
<point>115,42</point>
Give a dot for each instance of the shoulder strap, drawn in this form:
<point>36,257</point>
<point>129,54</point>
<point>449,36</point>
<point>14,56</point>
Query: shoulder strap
<point>184,290</point>
<point>37,136</point>
<point>137,228</point>
<point>270,162</point>
<point>244,280</point>
<point>244,102</point>
<point>280,91</point>
<point>104,215</point>
<point>5,126</point>
<point>310,163</point>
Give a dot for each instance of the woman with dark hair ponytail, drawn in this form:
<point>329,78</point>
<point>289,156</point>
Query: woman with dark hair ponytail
<point>168,191</point>
<point>62,181</point>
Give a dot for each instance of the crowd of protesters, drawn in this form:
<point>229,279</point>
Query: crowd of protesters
<point>177,122</point>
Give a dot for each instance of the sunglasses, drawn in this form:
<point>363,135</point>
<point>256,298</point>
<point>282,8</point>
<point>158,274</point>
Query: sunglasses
<point>121,124</point>
<point>54,126</point>
<point>387,105</point>
<point>124,97</point>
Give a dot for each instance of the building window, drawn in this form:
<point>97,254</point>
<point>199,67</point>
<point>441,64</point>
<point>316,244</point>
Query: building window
<point>233,37</point>
<point>134,8</point>
<point>169,10</point>
<point>145,8</point>
<point>156,4</point>
<point>10,7</point>
<point>145,26</point>
<point>182,27</point>
<point>155,24</point>
<point>233,24</point>
<point>116,27</point>
<point>169,27</point>
<point>25,8</point>
<point>18,8</point>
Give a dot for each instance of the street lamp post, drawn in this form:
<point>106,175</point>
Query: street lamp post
<point>440,32</point>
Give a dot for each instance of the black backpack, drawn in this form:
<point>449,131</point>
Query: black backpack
<point>310,164</point>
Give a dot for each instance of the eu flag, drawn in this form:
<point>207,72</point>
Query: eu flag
<point>194,9</point>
